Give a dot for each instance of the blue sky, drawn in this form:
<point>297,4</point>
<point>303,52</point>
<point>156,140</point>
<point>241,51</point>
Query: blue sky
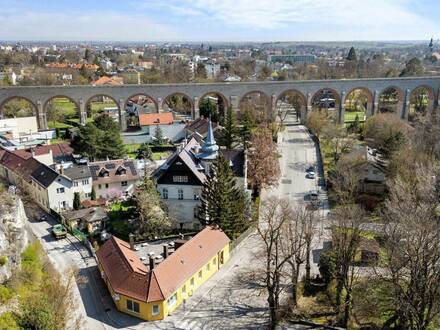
<point>219,20</point>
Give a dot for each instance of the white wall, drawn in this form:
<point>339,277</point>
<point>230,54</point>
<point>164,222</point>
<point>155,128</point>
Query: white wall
<point>84,190</point>
<point>114,189</point>
<point>56,199</point>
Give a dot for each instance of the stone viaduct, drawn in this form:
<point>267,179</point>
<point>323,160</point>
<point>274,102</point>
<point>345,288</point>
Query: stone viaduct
<point>232,94</point>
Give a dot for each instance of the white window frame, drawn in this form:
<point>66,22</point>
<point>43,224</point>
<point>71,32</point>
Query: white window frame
<point>171,301</point>
<point>180,194</point>
<point>157,312</point>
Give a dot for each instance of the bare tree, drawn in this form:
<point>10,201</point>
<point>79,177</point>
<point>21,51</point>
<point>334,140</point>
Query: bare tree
<point>264,167</point>
<point>275,215</point>
<point>412,245</point>
<point>338,139</point>
<point>345,243</point>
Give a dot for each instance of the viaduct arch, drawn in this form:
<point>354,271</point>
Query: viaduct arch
<point>232,92</point>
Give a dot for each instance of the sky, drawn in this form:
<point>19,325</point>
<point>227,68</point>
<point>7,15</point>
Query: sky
<point>219,20</point>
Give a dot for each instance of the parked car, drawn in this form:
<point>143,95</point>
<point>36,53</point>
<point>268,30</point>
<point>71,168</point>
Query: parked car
<point>59,231</point>
<point>310,169</point>
<point>310,175</point>
<point>313,194</point>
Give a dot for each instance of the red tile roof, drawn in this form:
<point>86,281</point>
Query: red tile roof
<point>127,275</point>
<point>58,150</point>
<point>23,165</point>
<point>165,118</point>
<point>104,80</point>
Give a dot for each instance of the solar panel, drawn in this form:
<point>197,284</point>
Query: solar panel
<point>110,166</point>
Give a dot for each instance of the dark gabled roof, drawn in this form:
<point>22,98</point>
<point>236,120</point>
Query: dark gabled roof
<point>77,172</point>
<point>186,156</point>
<point>112,166</point>
<point>19,163</point>
<point>90,215</point>
<point>236,157</point>
<point>44,175</point>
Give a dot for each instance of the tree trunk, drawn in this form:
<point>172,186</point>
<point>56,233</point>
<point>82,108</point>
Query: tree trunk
<point>294,279</point>
<point>272,308</point>
<point>308,262</point>
<point>347,309</point>
<point>339,286</point>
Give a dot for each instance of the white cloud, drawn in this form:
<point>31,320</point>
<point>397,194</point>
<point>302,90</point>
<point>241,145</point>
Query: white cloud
<point>375,18</point>
<point>85,25</point>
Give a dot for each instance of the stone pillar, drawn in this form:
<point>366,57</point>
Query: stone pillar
<point>159,104</point>
<point>375,109</point>
<point>42,120</point>
<point>82,112</point>
<point>195,111</point>
<point>121,114</point>
<point>404,111</point>
<point>341,114</point>
<point>272,115</point>
<point>234,103</point>
<point>307,109</point>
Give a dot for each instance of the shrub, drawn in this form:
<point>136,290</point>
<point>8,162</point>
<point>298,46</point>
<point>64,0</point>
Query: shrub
<point>327,266</point>
<point>7,322</point>
<point>5,294</point>
<point>3,260</point>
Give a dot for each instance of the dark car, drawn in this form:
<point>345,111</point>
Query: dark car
<point>310,169</point>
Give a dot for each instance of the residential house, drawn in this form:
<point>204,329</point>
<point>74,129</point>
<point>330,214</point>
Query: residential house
<point>81,178</point>
<point>200,127</point>
<point>48,188</point>
<point>171,129</point>
<point>181,178</point>
<point>143,289</point>
<point>114,179</point>
<point>91,220</point>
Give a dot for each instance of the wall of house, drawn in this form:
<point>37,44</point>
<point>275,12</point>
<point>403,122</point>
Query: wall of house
<point>182,210</point>
<point>145,309</point>
<point>83,189</point>
<point>16,126</point>
<point>56,199</point>
<point>188,288</point>
<point>113,189</point>
<point>174,132</point>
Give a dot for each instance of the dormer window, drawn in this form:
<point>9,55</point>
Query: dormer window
<point>103,172</point>
<point>121,171</point>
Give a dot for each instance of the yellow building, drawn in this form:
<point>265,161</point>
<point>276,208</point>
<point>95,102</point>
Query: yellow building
<point>155,291</point>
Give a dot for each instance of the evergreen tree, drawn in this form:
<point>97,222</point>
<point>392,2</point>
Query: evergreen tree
<point>144,152</point>
<point>414,67</point>
<point>158,136</point>
<point>248,124</point>
<point>352,55</point>
<point>93,194</point>
<point>223,203</point>
<point>209,110</point>
<point>76,201</point>
<point>230,129</point>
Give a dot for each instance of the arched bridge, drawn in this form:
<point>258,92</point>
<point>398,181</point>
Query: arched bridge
<point>231,93</point>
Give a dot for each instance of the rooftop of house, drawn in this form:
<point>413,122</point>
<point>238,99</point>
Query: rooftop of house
<point>77,172</point>
<point>201,125</point>
<point>44,175</point>
<point>104,80</point>
<point>113,171</point>
<point>152,119</point>
<point>90,215</point>
<point>59,151</point>
<point>128,275</point>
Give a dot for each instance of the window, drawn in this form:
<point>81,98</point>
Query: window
<point>192,281</point>
<point>201,274</point>
<point>180,178</point>
<point>122,172</point>
<point>165,193</point>
<point>214,262</point>
<point>184,289</point>
<point>99,186</point>
<point>85,182</point>
<point>124,183</point>
<point>132,306</point>
<point>196,211</point>
<point>75,183</point>
<point>172,300</point>
<point>60,190</point>
<point>106,185</point>
<point>156,310</point>
<point>208,267</point>
<point>180,194</point>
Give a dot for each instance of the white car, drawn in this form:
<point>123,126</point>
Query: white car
<point>310,175</point>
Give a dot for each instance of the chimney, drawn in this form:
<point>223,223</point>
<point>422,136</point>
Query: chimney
<point>165,251</point>
<point>62,170</point>
<point>131,240</point>
<point>151,263</point>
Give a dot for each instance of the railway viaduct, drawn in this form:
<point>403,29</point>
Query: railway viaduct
<point>231,93</point>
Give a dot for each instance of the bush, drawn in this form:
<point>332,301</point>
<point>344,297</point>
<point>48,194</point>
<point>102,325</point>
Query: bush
<point>7,322</point>
<point>5,294</point>
<point>327,266</point>
<point>3,260</point>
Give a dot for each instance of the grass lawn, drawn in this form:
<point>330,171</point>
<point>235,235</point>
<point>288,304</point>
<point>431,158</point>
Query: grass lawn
<point>133,148</point>
<point>57,124</point>
<point>350,116</point>
<point>59,140</point>
<point>119,214</point>
<point>69,108</point>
